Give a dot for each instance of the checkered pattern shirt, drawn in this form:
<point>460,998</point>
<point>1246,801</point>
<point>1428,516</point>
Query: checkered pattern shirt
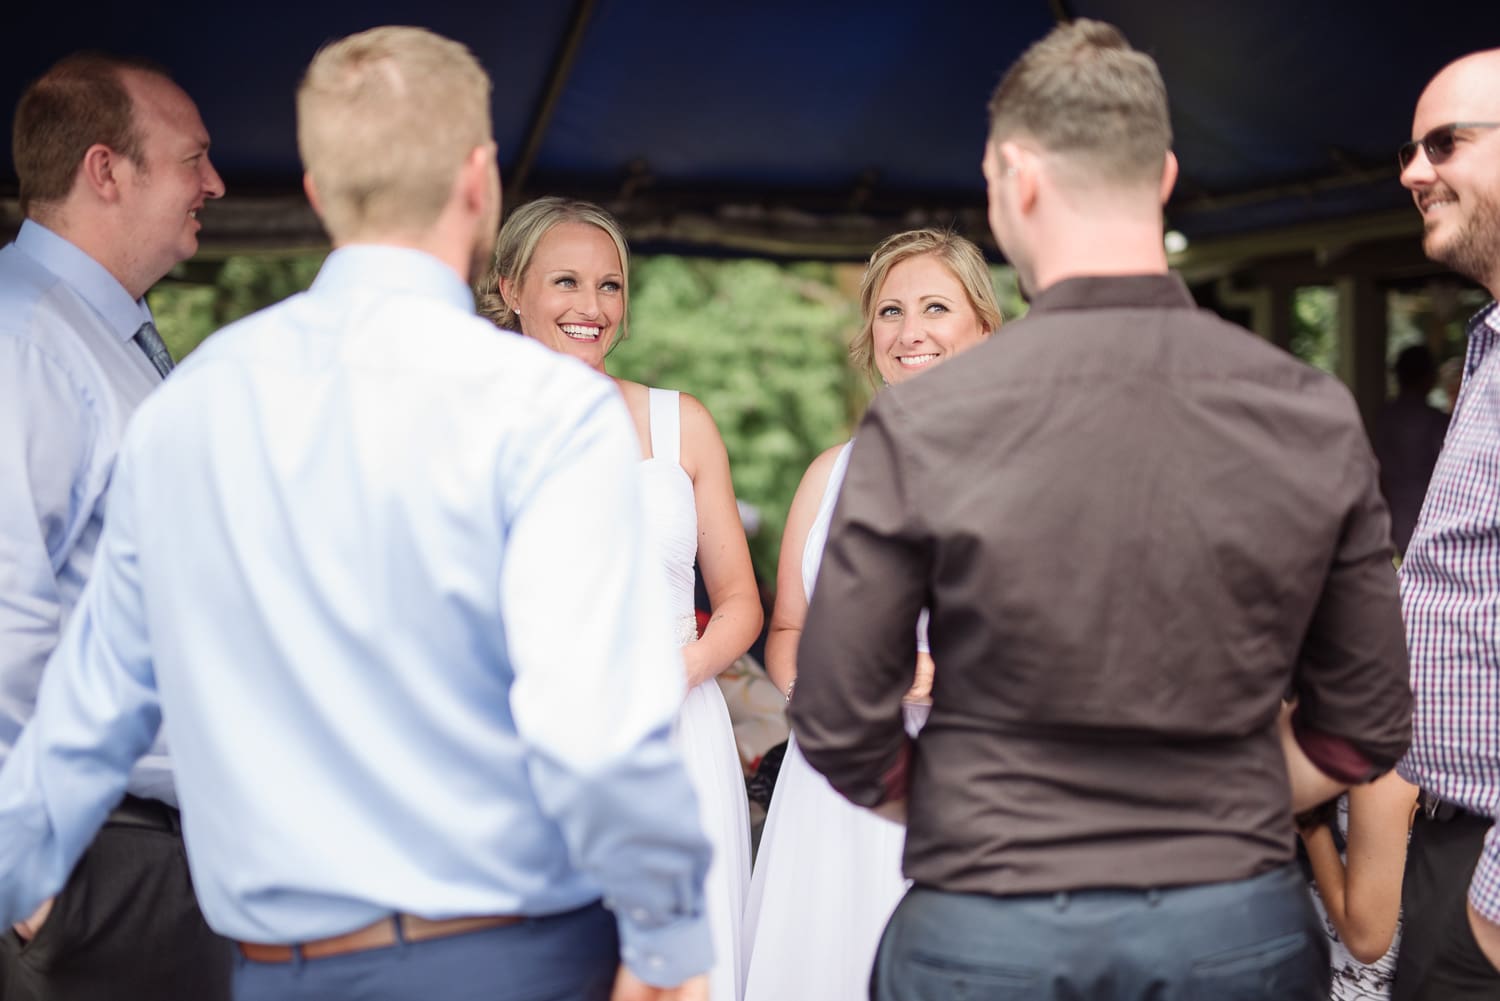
<point>1450,595</point>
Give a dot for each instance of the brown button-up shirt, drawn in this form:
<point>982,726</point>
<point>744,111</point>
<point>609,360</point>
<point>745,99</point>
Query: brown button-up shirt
<point>1137,527</point>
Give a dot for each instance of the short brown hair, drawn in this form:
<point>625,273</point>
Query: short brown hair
<point>1083,92</point>
<point>385,119</point>
<point>519,238</point>
<point>962,258</point>
<point>80,102</point>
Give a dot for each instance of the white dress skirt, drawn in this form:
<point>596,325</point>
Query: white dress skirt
<point>828,873</point>
<point>703,733</point>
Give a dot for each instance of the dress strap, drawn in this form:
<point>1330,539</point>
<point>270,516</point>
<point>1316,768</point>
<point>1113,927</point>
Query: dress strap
<point>666,421</point>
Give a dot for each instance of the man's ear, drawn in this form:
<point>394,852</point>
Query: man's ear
<point>311,188</point>
<point>474,178</point>
<point>1168,176</point>
<point>97,170</point>
<point>1023,168</point>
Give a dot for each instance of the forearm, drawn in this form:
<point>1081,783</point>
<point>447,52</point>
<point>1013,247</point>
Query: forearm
<point>730,631</point>
<point>1310,785</point>
<point>1329,875</point>
<point>1484,899</point>
<point>781,656</point>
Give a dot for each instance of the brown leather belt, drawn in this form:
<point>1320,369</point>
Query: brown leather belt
<point>380,935</point>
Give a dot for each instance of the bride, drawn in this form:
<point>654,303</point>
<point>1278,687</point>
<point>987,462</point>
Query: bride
<point>561,277</point>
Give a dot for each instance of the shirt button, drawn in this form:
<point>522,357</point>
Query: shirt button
<point>640,914</point>
<point>656,962</point>
<point>628,952</point>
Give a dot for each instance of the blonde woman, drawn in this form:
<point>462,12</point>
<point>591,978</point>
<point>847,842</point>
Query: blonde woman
<point>828,873</point>
<point>561,277</point>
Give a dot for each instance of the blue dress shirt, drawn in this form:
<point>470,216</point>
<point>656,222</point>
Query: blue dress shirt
<point>69,380</point>
<point>383,572</point>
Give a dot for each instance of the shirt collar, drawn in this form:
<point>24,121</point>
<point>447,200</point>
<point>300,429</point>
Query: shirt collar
<point>85,276</point>
<point>1149,291</point>
<point>393,269</point>
<point>1483,330</point>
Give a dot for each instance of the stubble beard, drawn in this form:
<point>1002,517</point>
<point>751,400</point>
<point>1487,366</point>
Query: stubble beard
<point>1474,250</point>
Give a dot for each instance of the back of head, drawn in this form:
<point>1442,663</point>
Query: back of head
<point>80,102</point>
<point>1084,94</point>
<point>961,257</point>
<point>385,119</point>
<point>519,238</point>
<point>1416,370</point>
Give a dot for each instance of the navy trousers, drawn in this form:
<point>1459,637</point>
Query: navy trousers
<point>565,957</point>
<point>1254,940</point>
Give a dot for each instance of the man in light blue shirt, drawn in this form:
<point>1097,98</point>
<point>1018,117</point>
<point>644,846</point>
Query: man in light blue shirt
<point>382,573</point>
<point>113,163</point>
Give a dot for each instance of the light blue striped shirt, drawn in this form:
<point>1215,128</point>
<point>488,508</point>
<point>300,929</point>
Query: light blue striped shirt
<point>1450,597</point>
<point>70,378</point>
<point>383,572</point>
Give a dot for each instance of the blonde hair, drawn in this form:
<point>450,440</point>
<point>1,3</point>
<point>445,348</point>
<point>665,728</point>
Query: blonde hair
<point>961,257</point>
<point>519,238</point>
<point>1083,92</point>
<point>385,119</point>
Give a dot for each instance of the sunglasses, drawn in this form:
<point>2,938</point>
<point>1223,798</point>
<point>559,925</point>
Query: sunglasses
<point>1439,143</point>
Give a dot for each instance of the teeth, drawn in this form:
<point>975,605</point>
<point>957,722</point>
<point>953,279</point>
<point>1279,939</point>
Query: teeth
<point>579,332</point>
<point>916,361</point>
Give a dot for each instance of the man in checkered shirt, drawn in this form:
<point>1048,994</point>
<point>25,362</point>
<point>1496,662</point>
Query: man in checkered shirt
<point>1450,581</point>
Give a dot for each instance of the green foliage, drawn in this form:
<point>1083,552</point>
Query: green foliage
<point>1315,327</point>
<point>764,347</point>
<point>186,313</point>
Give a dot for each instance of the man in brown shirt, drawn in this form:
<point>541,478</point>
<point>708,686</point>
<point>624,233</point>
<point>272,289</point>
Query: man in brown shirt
<point>1137,527</point>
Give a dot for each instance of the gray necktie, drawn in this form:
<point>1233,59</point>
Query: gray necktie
<point>151,343</point>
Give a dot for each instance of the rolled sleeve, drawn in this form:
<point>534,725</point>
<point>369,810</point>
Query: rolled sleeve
<point>1351,681</point>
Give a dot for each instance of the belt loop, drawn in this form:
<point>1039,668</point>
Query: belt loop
<point>400,929</point>
<point>297,958</point>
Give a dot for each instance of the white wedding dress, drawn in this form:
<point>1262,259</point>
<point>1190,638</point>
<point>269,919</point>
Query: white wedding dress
<point>703,732</point>
<point>828,873</point>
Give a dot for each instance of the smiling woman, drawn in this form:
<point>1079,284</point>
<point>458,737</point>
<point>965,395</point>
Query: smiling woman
<point>828,873</point>
<point>561,276</point>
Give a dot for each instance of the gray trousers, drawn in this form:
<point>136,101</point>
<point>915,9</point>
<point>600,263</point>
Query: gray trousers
<point>1257,939</point>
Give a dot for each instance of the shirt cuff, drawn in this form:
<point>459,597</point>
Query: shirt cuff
<point>666,955</point>
<point>1484,891</point>
<point>1335,757</point>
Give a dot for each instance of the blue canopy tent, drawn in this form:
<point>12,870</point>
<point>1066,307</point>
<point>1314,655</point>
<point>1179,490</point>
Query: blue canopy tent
<point>786,118</point>
<point>813,128</point>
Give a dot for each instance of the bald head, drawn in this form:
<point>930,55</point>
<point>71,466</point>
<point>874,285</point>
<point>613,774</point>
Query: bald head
<point>1454,168</point>
<point>1467,89</point>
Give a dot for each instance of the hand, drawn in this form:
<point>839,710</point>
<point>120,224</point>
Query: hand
<point>921,685</point>
<point>1486,934</point>
<point>697,670</point>
<point>28,929</point>
<point>629,987</point>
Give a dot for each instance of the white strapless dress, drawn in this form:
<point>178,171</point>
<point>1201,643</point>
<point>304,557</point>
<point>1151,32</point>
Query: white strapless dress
<point>828,873</point>
<point>703,732</point>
